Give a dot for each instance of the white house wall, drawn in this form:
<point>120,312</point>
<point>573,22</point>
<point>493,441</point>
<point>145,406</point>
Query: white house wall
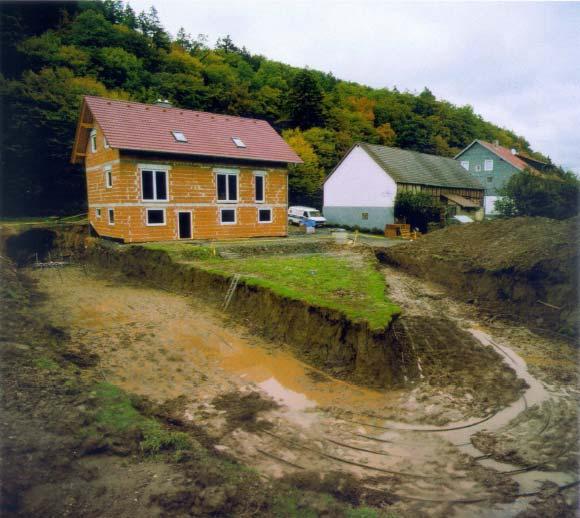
<point>359,193</point>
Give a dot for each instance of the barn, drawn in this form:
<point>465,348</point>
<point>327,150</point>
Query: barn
<point>361,190</point>
<point>156,173</point>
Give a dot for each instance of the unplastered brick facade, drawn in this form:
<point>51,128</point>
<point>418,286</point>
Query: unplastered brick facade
<point>144,195</point>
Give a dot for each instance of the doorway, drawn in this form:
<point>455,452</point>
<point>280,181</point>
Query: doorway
<point>184,226</point>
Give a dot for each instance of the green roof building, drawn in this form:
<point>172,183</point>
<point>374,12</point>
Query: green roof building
<point>361,190</point>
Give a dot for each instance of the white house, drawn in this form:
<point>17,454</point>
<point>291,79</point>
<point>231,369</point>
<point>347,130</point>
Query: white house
<point>361,190</point>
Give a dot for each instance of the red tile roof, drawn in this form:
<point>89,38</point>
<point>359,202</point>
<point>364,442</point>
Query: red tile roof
<point>506,154</point>
<point>146,127</point>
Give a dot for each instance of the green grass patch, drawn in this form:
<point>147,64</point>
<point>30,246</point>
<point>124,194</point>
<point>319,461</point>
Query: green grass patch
<point>46,364</point>
<point>117,414</point>
<point>183,251</point>
<point>349,284</point>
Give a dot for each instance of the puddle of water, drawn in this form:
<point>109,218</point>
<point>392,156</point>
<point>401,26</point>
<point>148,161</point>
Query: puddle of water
<point>159,326</point>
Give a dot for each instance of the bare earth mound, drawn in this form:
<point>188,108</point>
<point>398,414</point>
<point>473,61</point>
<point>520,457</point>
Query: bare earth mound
<point>521,268</point>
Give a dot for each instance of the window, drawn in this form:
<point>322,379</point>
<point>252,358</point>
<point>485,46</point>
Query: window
<point>98,213</point>
<point>227,186</point>
<point>228,216</point>
<point>465,164</point>
<point>477,168</point>
<point>260,180</point>
<point>365,216</point>
<point>111,216</point>
<point>105,143</point>
<point>238,142</point>
<point>93,140</point>
<point>489,179</point>
<point>265,215</point>
<point>488,165</point>
<point>154,185</point>
<point>179,136</point>
<point>108,177</point>
<point>155,217</point>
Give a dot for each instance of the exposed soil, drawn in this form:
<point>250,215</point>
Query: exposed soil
<point>304,427</point>
<point>521,268</point>
<point>317,445</point>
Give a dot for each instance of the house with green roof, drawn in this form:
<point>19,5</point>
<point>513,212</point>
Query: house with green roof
<point>361,189</point>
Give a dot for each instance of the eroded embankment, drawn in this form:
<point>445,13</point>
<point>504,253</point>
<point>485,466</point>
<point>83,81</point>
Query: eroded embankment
<point>410,349</point>
<point>521,268</point>
<point>321,336</point>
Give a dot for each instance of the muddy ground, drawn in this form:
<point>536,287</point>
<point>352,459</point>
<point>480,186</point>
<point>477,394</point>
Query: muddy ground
<point>250,401</point>
<point>524,269</point>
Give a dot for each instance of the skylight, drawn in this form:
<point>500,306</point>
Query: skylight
<point>179,136</point>
<point>238,142</point>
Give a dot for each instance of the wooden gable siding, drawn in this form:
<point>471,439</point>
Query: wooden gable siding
<point>192,187</point>
<point>475,195</point>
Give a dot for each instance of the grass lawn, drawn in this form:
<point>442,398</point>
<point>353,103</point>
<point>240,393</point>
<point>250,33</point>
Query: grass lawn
<point>48,220</point>
<point>348,283</point>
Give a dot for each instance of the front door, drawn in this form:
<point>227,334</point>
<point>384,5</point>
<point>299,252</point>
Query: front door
<point>184,219</point>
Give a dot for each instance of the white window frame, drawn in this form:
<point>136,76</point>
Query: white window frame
<point>262,175</point>
<point>271,220</point>
<point>98,213</point>
<point>105,142</point>
<point>488,164</point>
<point>179,136</point>
<point>155,224</point>
<point>155,168</point>
<point>93,140</point>
<point>465,164</point>
<point>239,143</point>
<point>109,212</point>
<point>108,176</point>
<point>235,216</point>
<point>232,172</point>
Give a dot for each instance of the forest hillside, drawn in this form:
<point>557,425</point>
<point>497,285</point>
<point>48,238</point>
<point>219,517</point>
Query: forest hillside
<point>54,53</point>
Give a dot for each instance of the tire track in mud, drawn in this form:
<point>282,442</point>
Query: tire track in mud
<point>462,484</point>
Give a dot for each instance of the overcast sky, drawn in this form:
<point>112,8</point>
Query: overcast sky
<point>517,64</point>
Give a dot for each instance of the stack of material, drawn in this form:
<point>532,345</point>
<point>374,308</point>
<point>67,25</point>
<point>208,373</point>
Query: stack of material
<point>398,230</point>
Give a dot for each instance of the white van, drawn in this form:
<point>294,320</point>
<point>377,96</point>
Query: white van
<point>299,214</point>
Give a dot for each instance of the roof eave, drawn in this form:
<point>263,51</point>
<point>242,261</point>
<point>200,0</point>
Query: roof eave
<point>357,144</point>
<point>464,150</point>
<point>207,155</point>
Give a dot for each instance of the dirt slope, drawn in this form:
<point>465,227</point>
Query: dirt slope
<point>522,268</point>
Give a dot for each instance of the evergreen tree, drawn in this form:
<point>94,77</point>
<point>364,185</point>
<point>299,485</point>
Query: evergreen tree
<point>304,103</point>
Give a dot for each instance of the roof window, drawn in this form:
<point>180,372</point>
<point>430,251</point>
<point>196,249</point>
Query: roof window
<point>179,136</point>
<point>238,142</point>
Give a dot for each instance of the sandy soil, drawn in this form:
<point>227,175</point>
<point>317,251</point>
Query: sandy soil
<point>166,346</point>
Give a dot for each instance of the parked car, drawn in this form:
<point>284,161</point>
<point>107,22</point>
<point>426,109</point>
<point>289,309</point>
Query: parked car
<point>298,215</point>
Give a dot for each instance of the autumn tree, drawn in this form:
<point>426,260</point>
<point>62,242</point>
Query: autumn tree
<point>304,180</point>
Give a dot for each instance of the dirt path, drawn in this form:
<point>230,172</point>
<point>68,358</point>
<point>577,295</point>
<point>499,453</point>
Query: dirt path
<point>166,347</point>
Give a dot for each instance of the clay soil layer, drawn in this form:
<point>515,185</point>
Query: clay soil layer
<point>258,403</point>
<point>525,269</point>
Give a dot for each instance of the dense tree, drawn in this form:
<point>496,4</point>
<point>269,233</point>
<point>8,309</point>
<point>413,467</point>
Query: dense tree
<point>54,52</point>
<point>305,101</point>
<point>304,179</point>
<point>552,195</point>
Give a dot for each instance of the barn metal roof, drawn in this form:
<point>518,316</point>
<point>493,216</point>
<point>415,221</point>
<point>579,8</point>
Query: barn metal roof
<point>145,127</point>
<point>412,167</point>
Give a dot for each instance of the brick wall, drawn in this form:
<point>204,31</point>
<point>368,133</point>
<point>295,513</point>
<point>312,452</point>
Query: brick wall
<point>192,187</point>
